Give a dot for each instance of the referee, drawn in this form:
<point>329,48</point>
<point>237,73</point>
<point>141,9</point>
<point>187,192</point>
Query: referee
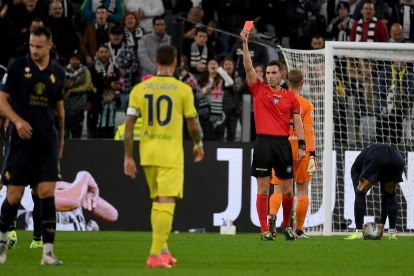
<point>30,96</point>
<point>377,163</point>
<point>274,109</point>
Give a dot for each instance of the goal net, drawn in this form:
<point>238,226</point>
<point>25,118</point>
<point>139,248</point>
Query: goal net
<point>362,93</point>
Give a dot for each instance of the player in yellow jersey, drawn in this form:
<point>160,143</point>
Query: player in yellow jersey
<point>162,102</point>
<point>303,168</point>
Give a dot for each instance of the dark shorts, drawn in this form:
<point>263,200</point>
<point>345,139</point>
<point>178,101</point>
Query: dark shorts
<point>29,166</point>
<point>272,152</point>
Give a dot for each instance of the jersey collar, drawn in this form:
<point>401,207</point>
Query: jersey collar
<point>49,68</point>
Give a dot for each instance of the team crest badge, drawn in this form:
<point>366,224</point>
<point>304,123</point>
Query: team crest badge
<point>52,78</point>
<point>289,169</point>
<point>27,72</point>
<point>275,100</point>
<point>7,175</point>
<point>40,88</point>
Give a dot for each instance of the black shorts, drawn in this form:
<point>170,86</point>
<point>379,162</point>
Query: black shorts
<point>29,166</point>
<point>272,152</point>
<point>386,165</point>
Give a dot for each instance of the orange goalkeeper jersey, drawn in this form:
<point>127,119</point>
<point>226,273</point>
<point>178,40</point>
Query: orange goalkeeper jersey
<point>306,113</point>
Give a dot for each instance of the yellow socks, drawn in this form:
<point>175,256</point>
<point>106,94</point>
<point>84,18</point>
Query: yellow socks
<point>162,215</point>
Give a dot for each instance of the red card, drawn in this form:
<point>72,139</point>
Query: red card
<point>248,25</point>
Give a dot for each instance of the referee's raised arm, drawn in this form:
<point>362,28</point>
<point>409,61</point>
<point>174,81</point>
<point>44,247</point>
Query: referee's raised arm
<point>247,61</point>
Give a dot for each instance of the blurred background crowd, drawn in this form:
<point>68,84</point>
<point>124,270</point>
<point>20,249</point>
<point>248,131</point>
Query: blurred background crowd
<point>108,46</point>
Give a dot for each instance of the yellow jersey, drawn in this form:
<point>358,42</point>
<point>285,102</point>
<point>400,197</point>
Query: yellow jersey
<point>162,102</point>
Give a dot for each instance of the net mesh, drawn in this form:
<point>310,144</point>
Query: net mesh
<point>373,94</point>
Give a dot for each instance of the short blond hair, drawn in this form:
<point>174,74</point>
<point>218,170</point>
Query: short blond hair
<point>295,78</point>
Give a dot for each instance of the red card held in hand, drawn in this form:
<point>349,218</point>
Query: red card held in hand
<point>248,25</point>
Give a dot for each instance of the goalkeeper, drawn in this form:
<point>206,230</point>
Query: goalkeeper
<point>303,168</point>
<point>377,163</point>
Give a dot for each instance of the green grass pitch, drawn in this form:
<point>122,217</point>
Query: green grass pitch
<point>124,253</point>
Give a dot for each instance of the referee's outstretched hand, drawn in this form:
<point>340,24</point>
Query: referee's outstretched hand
<point>244,35</point>
<point>24,129</point>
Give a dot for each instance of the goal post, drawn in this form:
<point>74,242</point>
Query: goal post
<point>362,93</point>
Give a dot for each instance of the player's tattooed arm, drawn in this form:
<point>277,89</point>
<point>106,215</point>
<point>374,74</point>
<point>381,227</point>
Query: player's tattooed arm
<point>129,135</point>
<point>194,129</point>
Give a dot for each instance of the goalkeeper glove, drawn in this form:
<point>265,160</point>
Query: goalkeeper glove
<point>312,166</point>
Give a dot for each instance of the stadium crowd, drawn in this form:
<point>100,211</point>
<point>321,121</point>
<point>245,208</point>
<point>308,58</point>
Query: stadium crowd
<point>108,46</point>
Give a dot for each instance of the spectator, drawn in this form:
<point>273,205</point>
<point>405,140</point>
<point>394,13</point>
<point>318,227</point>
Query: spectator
<point>145,10</point>
<point>102,109</point>
<point>317,42</point>
<point>132,30</point>
<point>95,35</point>
<point>67,7</point>
<point>199,52</point>
<point>194,18</point>
<point>231,99</point>
<point>183,74</point>
<point>89,8</point>
<point>340,27</point>
<point>405,16</point>
<point>382,10</point>
<point>125,59</point>
<point>77,88</point>
<point>149,44</point>
<point>396,33</point>
<point>305,21</point>
<point>210,97</point>
<point>369,28</point>
<point>65,42</point>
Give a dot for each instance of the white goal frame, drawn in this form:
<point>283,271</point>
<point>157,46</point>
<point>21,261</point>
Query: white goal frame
<point>328,127</point>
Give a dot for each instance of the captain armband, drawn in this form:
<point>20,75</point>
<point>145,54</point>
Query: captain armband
<point>302,145</point>
<point>132,112</point>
